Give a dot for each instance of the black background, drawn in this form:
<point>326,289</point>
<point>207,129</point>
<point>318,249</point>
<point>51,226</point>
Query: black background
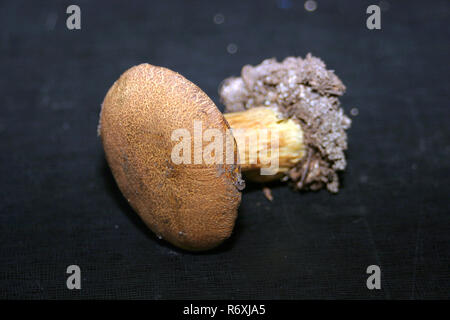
<point>60,205</point>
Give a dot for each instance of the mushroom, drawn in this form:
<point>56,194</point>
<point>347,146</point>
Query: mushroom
<point>189,205</point>
<point>194,205</point>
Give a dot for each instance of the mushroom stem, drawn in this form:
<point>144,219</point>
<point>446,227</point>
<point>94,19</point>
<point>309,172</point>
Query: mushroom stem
<point>260,134</point>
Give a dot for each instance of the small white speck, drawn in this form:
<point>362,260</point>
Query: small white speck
<point>354,112</point>
<point>116,226</point>
<point>219,18</point>
<point>173,253</point>
<point>232,48</point>
<point>310,5</point>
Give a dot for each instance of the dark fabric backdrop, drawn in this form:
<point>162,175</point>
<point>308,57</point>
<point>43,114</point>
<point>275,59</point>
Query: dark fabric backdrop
<point>60,205</point>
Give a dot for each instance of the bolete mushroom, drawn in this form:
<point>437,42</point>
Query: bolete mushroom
<point>194,205</point>
<point>189,205</point>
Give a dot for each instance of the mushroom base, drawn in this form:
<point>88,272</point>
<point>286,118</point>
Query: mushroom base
<point>304,91</point>
<point>265,139</point>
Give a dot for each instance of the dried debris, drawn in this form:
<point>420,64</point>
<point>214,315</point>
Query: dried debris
<point>302,89</point>
<point>267,193</point>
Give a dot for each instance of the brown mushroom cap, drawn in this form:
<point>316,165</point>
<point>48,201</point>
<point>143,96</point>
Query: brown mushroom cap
<point>193,206</point>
